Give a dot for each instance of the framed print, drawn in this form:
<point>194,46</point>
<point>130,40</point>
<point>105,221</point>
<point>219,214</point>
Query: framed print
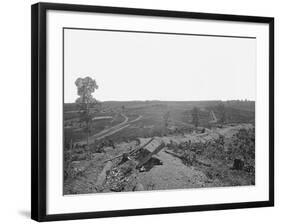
<point>140,111</point>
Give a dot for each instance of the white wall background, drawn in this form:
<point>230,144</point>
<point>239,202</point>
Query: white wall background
<point>15,109</point>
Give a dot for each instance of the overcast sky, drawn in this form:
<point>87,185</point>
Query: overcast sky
<point>138,66</point>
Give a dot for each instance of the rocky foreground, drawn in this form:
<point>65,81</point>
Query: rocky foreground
<point>212,158</point>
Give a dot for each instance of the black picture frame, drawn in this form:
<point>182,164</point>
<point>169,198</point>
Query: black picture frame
<point>39,122</point>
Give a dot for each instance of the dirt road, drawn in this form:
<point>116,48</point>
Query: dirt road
<point>112,130</point>
<point>173,174</point>
<point>118,128</point>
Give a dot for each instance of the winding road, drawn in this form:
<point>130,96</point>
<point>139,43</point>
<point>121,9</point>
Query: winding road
<point>112,130</point>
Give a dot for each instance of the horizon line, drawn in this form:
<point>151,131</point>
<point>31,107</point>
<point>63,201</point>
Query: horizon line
<point>242,100</point>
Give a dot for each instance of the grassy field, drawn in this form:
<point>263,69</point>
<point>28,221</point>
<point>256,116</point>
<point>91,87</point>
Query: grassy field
<point>153,121</point>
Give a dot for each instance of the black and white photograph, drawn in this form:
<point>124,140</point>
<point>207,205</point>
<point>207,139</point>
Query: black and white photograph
<point>154,111</point>
<point>139,111</point>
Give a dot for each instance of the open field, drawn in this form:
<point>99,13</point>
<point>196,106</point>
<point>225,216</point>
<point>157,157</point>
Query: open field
<point>217,151</point>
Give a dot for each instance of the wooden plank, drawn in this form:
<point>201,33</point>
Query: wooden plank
<point>153,152</point>
<point>131,152</point>
<point>142,146</point>
<point>153,145</point>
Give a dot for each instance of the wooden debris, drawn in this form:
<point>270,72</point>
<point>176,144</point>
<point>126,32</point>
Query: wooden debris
<point>200,162</point>
<point>173,154</point>
<point>154,149</point>
<point>131,152</point>
<point>142,146</point>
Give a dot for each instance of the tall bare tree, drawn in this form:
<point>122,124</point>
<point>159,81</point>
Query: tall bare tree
<point>85,88</point>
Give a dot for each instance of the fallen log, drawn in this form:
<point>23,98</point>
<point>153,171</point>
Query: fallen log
<point>142,146</point>
<point>200,162</point>
<point>131,152</point>
<point>173,154</point>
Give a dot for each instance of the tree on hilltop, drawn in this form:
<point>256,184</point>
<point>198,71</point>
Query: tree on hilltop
<point>85,88</point>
